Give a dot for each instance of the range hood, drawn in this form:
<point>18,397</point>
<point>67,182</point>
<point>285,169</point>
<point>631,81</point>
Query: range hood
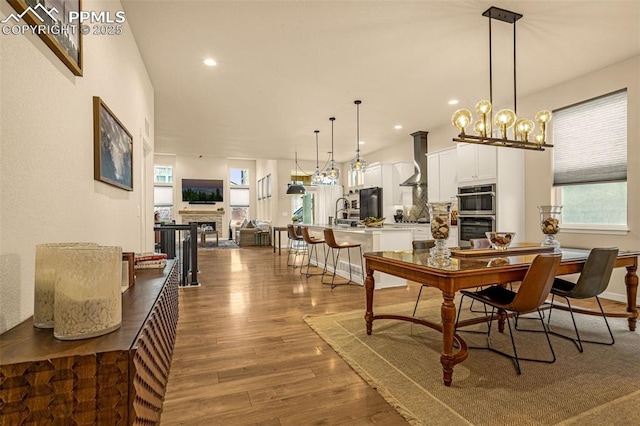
<point>419,177</point>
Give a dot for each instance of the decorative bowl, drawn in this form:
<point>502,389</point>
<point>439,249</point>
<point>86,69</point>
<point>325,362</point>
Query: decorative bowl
<point>373,222</point>
<point>500,240</point>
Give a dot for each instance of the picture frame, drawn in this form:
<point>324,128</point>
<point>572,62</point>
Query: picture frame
<point>66,45</point>
<point>260,196</point>
<point>268,179</point>
<point>112,148</point>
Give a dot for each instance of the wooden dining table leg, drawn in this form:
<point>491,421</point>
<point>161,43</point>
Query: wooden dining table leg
<point>631,281</point>
<point>369,285</point>
<point>448,314</point>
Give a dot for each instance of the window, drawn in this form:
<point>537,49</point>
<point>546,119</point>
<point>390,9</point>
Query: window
<point>590,163</point>
<point>163,174</point>
<point>239,195</point>
<point>163,193</point>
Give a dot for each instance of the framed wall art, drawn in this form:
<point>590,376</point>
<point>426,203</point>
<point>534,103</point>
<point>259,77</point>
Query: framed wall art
<point>62,37</point>
<point>112,148</point>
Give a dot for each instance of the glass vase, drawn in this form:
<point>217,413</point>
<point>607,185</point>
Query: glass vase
<point>440,217</point>
<point>44,280</point>
<point>88,301</point>
<point>550,220</point>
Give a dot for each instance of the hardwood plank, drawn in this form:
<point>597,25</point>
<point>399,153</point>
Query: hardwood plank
<point>244,355</point>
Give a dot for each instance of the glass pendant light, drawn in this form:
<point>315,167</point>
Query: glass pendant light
<point>294,188</point>
<point>333,172</point>
<point>358,163</point>
<point>317,177</point>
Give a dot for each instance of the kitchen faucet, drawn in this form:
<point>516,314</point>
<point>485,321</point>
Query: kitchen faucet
<point>345,207</point>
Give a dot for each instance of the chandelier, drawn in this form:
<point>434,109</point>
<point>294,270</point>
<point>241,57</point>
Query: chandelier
<point>505,119</point>
<point>358,163</point>
<point>293,188</point>
<point>317,177</point>
<point>333,172</point>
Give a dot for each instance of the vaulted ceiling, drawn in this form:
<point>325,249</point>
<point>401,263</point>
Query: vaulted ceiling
<point>284,67</point>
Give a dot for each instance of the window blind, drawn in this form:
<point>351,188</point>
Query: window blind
<point>590,141</point>
<point>162,195</point>
<point>239,197</point>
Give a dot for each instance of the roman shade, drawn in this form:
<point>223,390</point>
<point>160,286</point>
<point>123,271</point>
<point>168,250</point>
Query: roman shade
<point>590,140</point>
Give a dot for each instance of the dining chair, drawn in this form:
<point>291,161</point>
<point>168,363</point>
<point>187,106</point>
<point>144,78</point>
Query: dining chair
<point>421,245</point>
<point>295,246</point>
<point>312,243</point>
<point>478,243</point>
<point>330,240</point>
<point>593,280</point>
<point>533,291</point>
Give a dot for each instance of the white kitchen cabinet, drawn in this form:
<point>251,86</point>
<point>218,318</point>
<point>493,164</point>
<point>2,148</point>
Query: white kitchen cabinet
<point>373,176</point>
<point>442,172</point>
<point>401,195</point>
<point>476,163</point>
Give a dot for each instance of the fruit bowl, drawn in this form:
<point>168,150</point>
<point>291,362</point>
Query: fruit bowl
<point>500,240</point>
<point>372,222</point>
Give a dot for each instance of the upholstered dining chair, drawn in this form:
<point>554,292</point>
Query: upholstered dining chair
<point>478,243</point>
<point>421,245</point>
<point>335,246</point>
<point>534,290</point>
<point>312,243</point>
<point>295,246</point>
<point>593,280</point>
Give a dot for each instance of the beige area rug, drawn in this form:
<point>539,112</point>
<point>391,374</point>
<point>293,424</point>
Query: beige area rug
<point>402,361</point>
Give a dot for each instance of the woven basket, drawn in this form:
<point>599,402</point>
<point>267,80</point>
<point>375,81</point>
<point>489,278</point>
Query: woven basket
<point>374,224</point>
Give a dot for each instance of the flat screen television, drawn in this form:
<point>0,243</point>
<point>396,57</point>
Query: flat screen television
<point>370,202</point>
<point>202,191</point>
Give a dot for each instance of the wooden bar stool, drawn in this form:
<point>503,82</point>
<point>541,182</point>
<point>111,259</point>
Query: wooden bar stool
<point>312,243</point>
<point>295,246</point>
<point>330,239</point>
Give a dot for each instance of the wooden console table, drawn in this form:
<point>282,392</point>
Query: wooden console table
<point>117,379</point>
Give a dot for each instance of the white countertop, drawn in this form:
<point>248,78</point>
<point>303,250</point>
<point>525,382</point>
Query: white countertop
<point>363,229</point>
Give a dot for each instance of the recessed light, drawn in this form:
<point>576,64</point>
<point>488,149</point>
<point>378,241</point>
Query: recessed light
<point>397,127</point>
<point>210,62</point>
<point>361,142</point>
<point>453,102</point>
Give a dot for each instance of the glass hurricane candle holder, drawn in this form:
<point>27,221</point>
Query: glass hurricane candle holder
<point>440,217</point>
<point>44,282</point>
<point>550,219</point>
<point>87,292</point>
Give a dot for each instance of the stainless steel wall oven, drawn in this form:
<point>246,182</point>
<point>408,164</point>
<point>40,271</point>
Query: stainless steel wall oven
<point>476,212</point>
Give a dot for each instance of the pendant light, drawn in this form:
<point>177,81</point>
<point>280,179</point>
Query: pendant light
<point>333,173</point>
<point>317,177</point>
<point>294,188</point>
<point>358,163</point>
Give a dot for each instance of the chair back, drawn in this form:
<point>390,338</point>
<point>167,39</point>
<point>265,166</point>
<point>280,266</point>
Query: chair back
<point>477,243</point>
<point>291,233</point>
<point>330,238</point>
<point>536,284</point>
<point>307,237</point>
<point>596,273</point>
<point>423,244</point>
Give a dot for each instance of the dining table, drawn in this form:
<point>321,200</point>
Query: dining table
<point>469,269</point>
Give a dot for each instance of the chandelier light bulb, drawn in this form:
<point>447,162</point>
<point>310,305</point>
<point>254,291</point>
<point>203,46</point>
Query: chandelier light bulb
<point>543,117</point>
<point>478,126</point>
<point>524,127</point>
<point>461,119</point>
<point>358,163</point>
<point>505,119</point>
<point>317,177</point>
<point>483,107</point>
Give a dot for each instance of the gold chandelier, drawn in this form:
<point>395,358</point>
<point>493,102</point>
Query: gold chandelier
<point>504,120</point>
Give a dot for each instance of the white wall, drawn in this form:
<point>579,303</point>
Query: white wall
<point>47,190</point>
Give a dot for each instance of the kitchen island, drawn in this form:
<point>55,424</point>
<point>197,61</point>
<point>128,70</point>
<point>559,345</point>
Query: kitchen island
<point>386,238</point>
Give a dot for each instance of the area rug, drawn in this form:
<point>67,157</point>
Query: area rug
<point>401,360</point>
<point>222,245</point>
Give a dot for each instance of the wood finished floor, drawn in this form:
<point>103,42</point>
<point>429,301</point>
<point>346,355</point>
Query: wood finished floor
<point>244,356</point>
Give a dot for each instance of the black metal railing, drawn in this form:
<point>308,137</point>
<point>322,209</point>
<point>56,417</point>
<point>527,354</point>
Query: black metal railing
<point>186,251</point>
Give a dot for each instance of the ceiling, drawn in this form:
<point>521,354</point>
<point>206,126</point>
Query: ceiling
<point>285,67</point>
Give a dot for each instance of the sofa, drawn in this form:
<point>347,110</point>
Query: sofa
<point>253,233</point>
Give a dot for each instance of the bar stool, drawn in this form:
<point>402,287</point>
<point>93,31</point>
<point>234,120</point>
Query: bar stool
<point>330,239</point>
<point>312,243</point>
<point>295,245</point>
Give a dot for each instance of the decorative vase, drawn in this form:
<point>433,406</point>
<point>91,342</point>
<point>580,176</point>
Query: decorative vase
<point>44,281</point>
<point>87,292</point>
<point>440,216</point>
<point>550,219</point>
